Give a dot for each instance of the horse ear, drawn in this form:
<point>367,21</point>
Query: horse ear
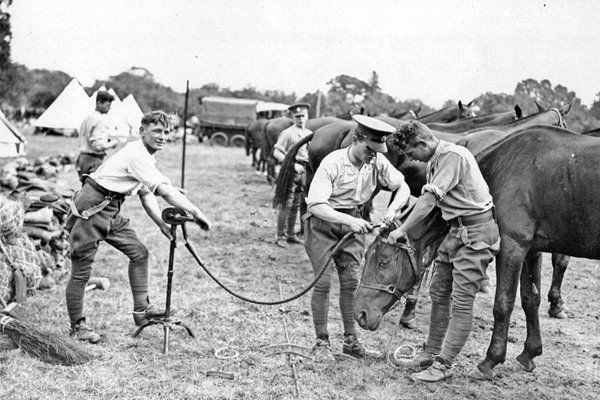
<point>470,103</point>
<point>540,107</point>
<point>460,105</point>
<point>418,110</point>
<point>566,109</point>
<point>518,111</point>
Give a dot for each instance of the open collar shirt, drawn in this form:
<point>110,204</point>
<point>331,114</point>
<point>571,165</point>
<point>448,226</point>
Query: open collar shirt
<point>289,137</point>
<point>340,184</point>
<point>129,171</point>
<point>453,176</point>
<point>95,127</point>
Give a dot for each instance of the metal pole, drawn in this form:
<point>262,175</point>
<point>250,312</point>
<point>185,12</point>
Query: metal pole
<point>318,108</point>
<point>187,92</point>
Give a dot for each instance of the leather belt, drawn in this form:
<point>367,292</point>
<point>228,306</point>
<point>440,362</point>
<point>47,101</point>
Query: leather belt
<point>480,218</point>
<point>97,155</point>
<point>101,189</point>
<point>358,210</point>
<point>303,163</point>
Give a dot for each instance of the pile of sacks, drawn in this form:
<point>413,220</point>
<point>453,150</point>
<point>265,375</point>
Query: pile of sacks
<point>33,243</point>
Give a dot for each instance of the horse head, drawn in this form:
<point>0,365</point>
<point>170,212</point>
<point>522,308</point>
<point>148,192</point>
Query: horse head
<point>393,269</point>
<point>465,110</point>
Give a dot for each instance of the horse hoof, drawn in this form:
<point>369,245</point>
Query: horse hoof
<point>526,362</point>
<point>409,324</point>
<point>559,315</point>
<point>480,375</point>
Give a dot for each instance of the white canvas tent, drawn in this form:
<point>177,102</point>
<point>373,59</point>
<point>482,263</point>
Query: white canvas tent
<point>67,112</point>
<point>124,117</point>
<point>12,142</point>
<point>132,113</point>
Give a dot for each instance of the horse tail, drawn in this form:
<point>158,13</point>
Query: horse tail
<point>285,178</point>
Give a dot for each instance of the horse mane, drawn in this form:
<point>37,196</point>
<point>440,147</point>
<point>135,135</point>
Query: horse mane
<point>285,179</point>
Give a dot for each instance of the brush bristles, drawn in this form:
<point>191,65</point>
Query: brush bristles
<point>44,345</point>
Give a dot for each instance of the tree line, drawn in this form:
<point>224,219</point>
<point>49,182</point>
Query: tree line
<point>26,93</point>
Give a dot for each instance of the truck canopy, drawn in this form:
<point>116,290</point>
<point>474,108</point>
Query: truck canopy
<point>228,112</point>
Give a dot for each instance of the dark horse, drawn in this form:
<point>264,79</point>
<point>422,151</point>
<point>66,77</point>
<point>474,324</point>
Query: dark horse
<point>339,135</point>
<point>465,124</point>
<point>449,114</point>
<point>542,181</point>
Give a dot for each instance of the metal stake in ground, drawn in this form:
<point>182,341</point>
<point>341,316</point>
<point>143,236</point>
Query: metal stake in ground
<point>173,216</point>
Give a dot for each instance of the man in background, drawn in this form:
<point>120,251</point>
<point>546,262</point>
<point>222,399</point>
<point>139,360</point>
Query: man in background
<point>93,137</point>
<point>288,212</point>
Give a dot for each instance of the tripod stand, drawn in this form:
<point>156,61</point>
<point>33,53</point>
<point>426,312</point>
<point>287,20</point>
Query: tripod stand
<point>173,216</point>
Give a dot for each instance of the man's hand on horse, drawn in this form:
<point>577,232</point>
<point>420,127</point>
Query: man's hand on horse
<point>398,235</point>
<point>388,218</point>
<point>359,225</point>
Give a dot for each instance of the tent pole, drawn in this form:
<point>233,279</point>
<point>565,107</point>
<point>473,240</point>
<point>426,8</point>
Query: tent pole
<point>187,91</point>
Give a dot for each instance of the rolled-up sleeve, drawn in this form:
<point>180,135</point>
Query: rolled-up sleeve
<point>448,172</point>
<point>321,185</point>
<point>388,175</point>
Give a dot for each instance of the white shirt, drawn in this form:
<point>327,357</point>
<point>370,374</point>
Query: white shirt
<point>340,184</point>
<point>130,170</point>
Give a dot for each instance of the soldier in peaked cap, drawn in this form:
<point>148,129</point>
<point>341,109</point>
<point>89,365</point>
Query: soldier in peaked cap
<point>93,137</point>
<point>288,212</point>
<point>343,182</point>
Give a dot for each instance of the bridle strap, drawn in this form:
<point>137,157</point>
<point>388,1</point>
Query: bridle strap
<point>392,289</point>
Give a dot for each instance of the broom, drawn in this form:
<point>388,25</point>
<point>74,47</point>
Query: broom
<point>43,345</point>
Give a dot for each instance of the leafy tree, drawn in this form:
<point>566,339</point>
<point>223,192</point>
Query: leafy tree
<point>7,73</point>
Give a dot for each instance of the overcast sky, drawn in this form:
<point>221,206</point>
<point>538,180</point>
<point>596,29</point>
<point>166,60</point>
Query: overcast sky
<point>432,50</point>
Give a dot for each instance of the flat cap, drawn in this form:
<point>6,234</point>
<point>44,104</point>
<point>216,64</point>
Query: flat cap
<point>374,130</point>
<point>299,108</point>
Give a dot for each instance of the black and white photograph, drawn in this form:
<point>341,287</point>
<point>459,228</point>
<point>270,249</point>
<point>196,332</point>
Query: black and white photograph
<point>277,199</point>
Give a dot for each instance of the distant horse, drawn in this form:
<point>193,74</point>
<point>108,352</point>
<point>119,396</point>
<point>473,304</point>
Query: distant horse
<point>255,137</point>
<point>449,114</point>
<point>409,114</point>
<point>463,125</point>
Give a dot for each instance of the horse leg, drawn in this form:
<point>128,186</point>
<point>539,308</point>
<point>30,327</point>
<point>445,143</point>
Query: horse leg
<point>271,176</point>
<point>557,309</point>
<point>508,267</point>
<point>530,300</point>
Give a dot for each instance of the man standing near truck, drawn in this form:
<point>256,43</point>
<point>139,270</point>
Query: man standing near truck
<point>288,212</point>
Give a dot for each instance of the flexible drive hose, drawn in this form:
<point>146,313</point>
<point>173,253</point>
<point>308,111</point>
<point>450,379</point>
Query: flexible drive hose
<point>191,249</point>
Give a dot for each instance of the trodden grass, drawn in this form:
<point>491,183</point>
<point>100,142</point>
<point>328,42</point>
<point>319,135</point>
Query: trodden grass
<point>240,250</point>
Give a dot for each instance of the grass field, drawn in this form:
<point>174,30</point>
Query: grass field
<point>240,250</point>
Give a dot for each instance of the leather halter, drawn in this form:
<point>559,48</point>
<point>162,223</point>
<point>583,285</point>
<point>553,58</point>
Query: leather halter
<point>391,288</point>
<point>410,250</point>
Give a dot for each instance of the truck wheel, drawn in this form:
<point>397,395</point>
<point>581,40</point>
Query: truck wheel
<point>237,141</point>
<point>219,139</point>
